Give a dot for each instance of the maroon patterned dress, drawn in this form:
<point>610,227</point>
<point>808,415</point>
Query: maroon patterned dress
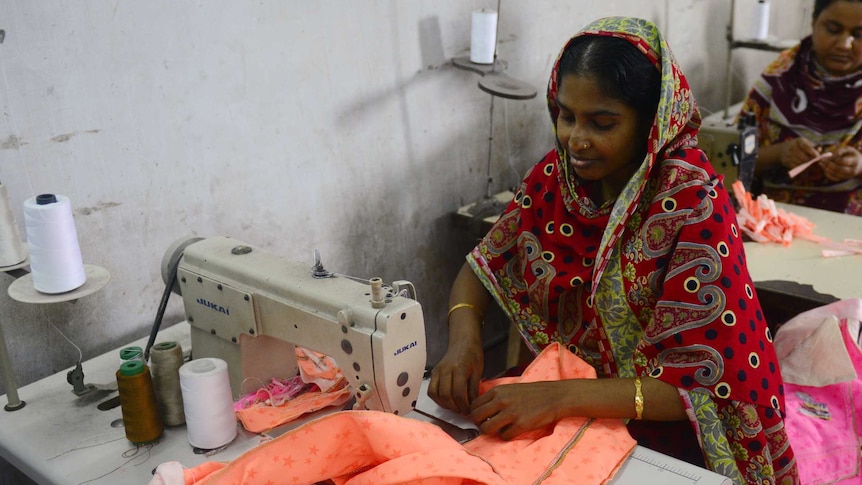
<point>795,97</point>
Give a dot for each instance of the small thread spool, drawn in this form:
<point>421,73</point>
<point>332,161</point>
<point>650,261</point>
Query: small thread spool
<point>760,21</point>
<point>166,358</point>
<point>483,36</point>
<point>131,353</point>
<point>138,403</point>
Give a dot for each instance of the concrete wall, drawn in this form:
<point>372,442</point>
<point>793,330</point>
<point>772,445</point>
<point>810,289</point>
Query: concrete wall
<point>291,125</point>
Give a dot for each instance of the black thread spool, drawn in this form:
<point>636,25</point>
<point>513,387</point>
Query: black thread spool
<point>138,403</point>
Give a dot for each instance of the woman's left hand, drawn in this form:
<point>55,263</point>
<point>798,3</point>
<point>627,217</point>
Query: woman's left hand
<point>513,409</point>
<point>845,164</point>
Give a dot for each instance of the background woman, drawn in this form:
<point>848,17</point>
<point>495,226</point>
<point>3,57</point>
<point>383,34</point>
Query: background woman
<point>622,244</point>
<point>808,102</point>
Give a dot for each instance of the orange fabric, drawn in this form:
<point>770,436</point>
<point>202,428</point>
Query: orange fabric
<point>356,447</point>
<point>599,446</point>
<point>198,473</point>
<point>371,447</point>
<point>315,368</point>
<point>262,417</point>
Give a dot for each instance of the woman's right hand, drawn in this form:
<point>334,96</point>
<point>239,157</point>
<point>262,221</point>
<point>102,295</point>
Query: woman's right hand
<point>844,165</point>
<point>455,380</point>
<point>797,151</point>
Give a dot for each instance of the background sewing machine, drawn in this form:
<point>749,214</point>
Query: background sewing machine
<point>730,145</point>
<point>242,303</point>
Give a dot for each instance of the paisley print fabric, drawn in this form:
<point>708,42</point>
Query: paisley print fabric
<point>652,284</point>
<point>795,97</point>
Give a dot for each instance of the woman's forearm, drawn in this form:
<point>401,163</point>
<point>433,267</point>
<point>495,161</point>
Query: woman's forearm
<point>465,321</point>
<point>615,398</point>
<point>596,398</point>
<point>468,289</point>
<point>767,156</point>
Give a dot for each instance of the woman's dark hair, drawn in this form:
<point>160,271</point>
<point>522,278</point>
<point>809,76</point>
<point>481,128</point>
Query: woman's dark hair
<point>622,71</point>
<point>820,6</point>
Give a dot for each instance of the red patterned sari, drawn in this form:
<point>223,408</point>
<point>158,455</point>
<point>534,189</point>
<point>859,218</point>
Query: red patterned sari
<point>652,284</point>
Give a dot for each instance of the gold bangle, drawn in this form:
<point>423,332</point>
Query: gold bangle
<point>464,305</point>
<point>639,400</point>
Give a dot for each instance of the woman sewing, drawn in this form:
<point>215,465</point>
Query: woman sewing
<point>622,245</point>
<point>808,103</point>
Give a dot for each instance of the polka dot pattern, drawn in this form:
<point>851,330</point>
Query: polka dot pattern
<point>665,264</point>
<point>705,291</point>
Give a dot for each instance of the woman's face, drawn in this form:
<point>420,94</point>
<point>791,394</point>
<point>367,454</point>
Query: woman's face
<point>837,37</point>
<point>602,136</point>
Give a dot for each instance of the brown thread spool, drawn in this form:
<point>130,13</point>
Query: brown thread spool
<point>165,361</point>
<point>138,403</point>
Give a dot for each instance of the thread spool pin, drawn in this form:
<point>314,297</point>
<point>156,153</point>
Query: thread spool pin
<point>377,300</point>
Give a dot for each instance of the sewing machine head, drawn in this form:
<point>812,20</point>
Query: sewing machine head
<point>730,145</point>
<point>236,295</point>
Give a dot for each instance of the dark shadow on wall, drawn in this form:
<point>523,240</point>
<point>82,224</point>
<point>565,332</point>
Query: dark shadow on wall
<point>714,63</point>
<point>9,475</point>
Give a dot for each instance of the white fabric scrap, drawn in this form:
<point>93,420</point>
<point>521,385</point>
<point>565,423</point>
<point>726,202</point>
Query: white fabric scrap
<point>168,473</point>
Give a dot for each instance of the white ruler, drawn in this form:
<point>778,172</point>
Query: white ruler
<point>647,467</point>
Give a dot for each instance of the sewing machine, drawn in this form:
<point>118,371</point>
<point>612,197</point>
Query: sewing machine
<point>236,296</point>
<point>730,145</point>
<point>285,302</point>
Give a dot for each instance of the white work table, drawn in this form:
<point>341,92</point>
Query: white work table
<point>802,261</point>
<point>57,438</point>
